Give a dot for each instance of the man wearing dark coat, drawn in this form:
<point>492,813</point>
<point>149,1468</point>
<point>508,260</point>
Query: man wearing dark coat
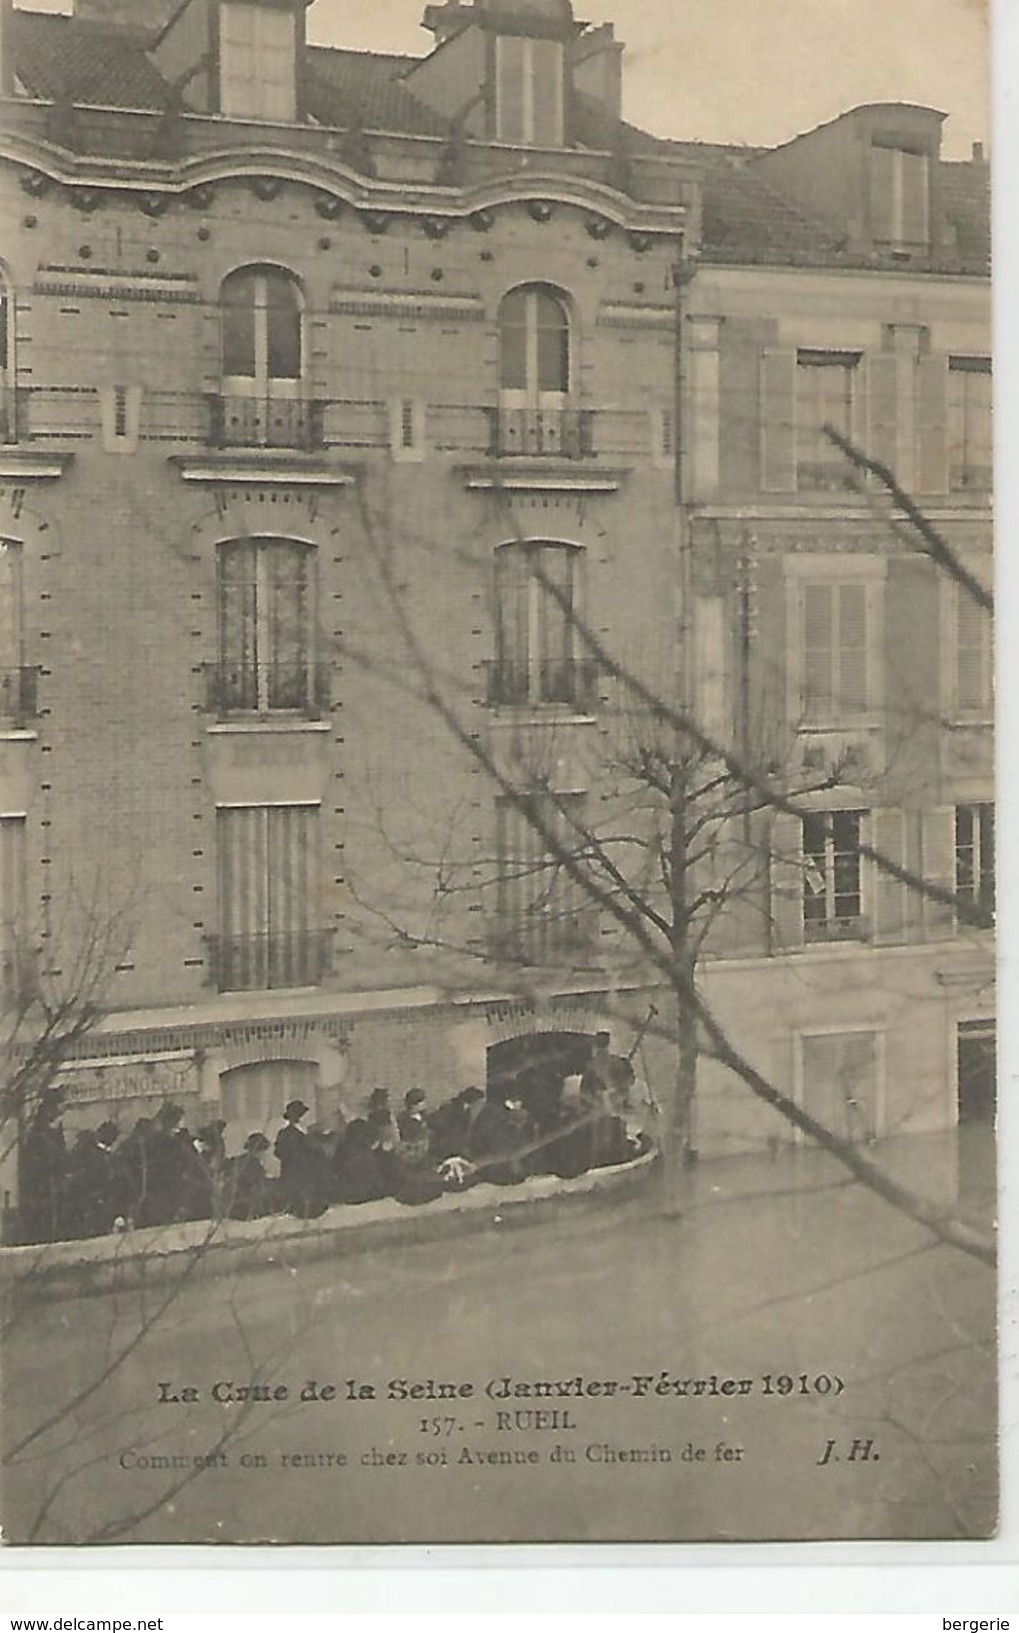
<point>302,1184</point>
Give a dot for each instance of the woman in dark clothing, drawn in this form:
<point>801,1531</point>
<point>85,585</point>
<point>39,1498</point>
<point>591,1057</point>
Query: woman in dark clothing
<point>249,1186</point>
<point>303,1181</point>
<point>359,1171</point>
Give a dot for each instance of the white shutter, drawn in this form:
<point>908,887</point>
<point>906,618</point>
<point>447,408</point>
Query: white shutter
<point>972,655</point>
<point>938,840</point>
<point>852,649</point>
<point>786,883</point>
<point>778,418</point>
<point>888,894</point>
<point>817,682</point>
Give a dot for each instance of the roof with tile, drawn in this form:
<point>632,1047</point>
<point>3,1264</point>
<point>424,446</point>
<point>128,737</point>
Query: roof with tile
<point>365,89</point>
<point>72,59</point>
<point>745,219</point>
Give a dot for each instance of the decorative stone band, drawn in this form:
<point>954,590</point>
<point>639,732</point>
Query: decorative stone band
<point>100,283</point>
<point>406,304</point>
<point>634,315</point>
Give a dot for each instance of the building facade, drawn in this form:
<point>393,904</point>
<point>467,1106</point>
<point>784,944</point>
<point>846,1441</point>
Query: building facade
<point>342,394</point>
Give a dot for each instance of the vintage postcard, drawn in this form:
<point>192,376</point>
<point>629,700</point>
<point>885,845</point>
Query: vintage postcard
<point>497,823</point>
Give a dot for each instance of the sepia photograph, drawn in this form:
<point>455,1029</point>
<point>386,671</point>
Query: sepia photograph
<point>497,785</point>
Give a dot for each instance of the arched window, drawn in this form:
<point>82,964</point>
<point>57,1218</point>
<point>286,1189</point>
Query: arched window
<point>263,359</point>
<point>536,375</point>
<point>262,327</point>
<point>537,596</point>
<point>266,601</point>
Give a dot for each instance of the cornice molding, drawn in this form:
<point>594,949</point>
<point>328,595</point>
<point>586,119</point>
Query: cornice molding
<point>405,304</point>
<point>325,175</point>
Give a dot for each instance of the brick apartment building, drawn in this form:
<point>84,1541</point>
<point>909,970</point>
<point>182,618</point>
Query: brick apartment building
<point>305,350</point>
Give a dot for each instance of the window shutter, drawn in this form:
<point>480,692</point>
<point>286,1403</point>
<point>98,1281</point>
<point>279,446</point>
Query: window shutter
<point>972,655</point>
<point>817,700</point>
<point>852,639</point>
<point>883,378</point>
<point>932,411</point>
<point>938,837</point>
<point>778,437</point>
<point>888,894</point>
<point>786,883</point>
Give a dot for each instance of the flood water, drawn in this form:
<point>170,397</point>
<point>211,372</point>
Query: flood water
<point>789,1358</point>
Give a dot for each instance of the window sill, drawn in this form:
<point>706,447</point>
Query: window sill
<point>544,714</point>
<point>274,726</point>
<point>18,734</point>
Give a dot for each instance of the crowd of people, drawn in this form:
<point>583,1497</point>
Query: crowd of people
<point>160,1173</point>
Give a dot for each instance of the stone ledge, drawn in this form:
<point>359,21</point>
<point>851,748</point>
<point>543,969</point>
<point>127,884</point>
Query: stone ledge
<point>199,1248</point>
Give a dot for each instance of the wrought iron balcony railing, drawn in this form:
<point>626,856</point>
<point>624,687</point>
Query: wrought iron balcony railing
<point>240,421</point>
<point>563,433</point>
<point>285,687</point>
<point>262,963</point>
<point>19,696</point>
<point>514,683</point>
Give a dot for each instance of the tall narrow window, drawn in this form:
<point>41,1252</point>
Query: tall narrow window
<point>267,659</point>
<point>826,387</point>
<point>268,893</point>
<point>835,652</point>
<point>974,658</point>
<point>263,359</point>
<point>543,913</point>
<point>900,197</point>
<point>535,376</point>
<point>970,433</point>
<point>974,855</point>
<point>537,589</point>
<point>257,61</point>
<point>12,902</point>
<point>529,91</point>
<point>832,888</point>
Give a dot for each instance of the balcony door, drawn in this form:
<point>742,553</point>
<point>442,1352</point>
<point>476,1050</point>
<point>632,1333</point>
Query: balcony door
<point>534,372</point>
<point>263,356</point>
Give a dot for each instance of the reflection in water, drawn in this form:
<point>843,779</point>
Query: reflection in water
<point>778,1268</point>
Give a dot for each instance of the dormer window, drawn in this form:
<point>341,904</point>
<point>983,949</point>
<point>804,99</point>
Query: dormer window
<point>257,61</point>
<point>899,196</point>
<point>529,76</point>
